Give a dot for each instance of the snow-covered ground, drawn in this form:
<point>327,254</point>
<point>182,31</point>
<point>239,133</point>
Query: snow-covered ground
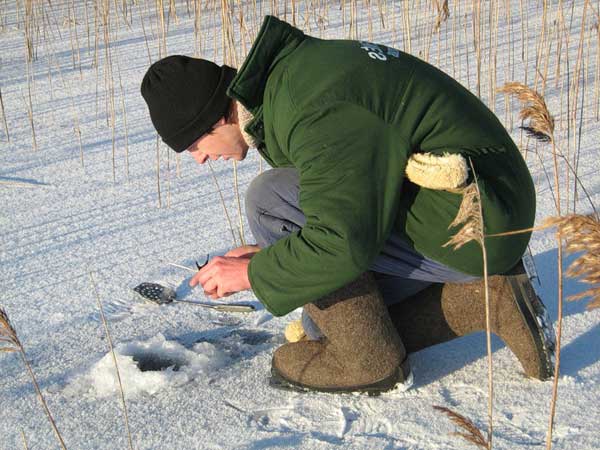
<point>60,221</point>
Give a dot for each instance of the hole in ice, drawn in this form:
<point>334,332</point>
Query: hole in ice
<point>149,361</point>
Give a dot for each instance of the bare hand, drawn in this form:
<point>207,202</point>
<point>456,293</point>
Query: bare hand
<point>245,251</point>
<point>223,276</point>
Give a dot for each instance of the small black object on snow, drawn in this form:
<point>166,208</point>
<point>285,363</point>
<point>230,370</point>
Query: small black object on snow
<point>156,293</point>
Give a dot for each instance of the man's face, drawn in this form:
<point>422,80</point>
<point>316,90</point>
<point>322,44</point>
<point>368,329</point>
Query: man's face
<point>225,141</point>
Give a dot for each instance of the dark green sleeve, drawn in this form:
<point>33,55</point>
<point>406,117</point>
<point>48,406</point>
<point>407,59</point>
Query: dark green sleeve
<point>351,168</point>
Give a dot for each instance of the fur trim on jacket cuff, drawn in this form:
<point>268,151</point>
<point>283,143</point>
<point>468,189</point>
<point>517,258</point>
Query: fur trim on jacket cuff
<point>445,172</point>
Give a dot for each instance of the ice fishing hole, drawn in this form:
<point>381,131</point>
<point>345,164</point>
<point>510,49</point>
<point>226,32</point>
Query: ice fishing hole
<point>152,362</point>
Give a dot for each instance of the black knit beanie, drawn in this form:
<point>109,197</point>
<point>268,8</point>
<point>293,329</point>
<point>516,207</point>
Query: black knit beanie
<point>186,97</point>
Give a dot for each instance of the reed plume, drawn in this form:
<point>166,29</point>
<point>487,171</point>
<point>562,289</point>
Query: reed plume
<point>581,233</point>
<point>471,433</point>
<point>468,217</point>
<point>541,122</point>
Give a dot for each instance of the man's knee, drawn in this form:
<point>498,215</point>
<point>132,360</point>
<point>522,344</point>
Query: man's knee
<point>267,191</point>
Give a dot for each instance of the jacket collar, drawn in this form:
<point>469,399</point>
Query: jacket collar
<point>275,40</point>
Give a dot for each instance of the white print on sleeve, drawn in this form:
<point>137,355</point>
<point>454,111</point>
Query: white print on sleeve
<point>379,52</point>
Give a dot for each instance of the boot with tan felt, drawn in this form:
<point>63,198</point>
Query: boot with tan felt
<point>443,312</point>
<point>361,350</point>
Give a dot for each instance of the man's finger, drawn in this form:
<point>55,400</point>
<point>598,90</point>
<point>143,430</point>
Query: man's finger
<point>194,280</point>
<point>204,274</point>
<point>210,286</point>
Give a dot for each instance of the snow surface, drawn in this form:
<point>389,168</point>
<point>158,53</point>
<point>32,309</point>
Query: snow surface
<point>63,221</point>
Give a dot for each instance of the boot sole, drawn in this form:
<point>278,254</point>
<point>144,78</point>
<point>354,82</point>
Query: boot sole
<point>402,375</point>
<point>535,316</point>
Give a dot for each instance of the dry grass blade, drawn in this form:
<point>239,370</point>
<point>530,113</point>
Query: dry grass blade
<point>468,216</point>
<point>471,432</point>
<point>535,110</point>
<point>9,335</point>
<point>581,233</point>
<point>25,446</point>
<point>114,357</point>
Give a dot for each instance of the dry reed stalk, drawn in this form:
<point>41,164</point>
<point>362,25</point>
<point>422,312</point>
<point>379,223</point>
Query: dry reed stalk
<point>544,75</point>
<point>476,14</point>
<point>442,16</point>
<point>158,170</point>
<point>470,216</point>
<point>124,112</point>
<point>70,20</point>
<point>581,121</point>
<point>173,11</point>
<point>198,48</point>
<point>493,51</point>
<point>76,41</point>
<point>561,27</point>
<point>507,65</point>
<point>168,177</point>
<point>2,15</point>
<point>214,27</point>
<point>29,107</point>
<point>455,17</point>
<point>243,30</point>
<point>407,47</point>
<point>541,43</point>
<point>144,31</point>
<point>78,134</point>
<point>443,12</point>
<point>465,22</point>
<point>9,342</point>
<point>28,27</point>
<point>24,439</point>
<point>239,203</point>
<point>471,433</point>
<point>542,129</point>
<point>95,63</point>
<point>597,76</point>
<point>87,26</point>
<point>294,6</point>
<point>227,35</point>
<point>574,89</point>
<point>114,357</point>
<point>109,83</point>
<point>4,117</point>
<point>96,34</point>
<point>212,172</point>
<point>162,50</point>
<point>369,20</point>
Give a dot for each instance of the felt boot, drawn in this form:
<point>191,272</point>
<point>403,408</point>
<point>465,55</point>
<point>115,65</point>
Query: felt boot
<point>361,350</point>
<point>443,312</point>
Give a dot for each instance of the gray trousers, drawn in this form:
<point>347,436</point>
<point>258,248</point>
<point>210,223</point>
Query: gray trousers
<point>273,212</point>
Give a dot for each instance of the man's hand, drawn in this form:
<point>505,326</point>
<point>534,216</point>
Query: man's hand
<point>245,251</point>
<point>223,276</point>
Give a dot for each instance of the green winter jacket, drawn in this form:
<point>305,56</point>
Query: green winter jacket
<point>348,115</point>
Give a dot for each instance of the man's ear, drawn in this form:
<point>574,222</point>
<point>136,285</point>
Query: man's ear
<point>222,121</point>
<point>233,112</point>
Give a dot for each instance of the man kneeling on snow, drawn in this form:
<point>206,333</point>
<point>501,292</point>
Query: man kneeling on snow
<point>368,147</point>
